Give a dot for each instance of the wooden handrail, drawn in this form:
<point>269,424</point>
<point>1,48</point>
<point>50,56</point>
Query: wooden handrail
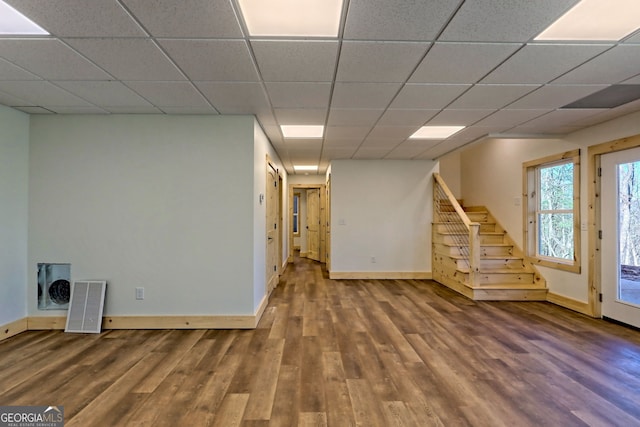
<point>472,227</point>
<point>454,202</point>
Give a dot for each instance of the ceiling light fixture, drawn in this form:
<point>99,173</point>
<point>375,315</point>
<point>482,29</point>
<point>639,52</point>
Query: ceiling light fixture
<point>595,20</point>
<point>292,18</point>
<point>435,132</point>
<point>305,168</point>
<point>13,22</point>
<point>300,131</point>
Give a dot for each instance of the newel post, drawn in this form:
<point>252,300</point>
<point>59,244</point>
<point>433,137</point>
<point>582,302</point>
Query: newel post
<point>474,254</point>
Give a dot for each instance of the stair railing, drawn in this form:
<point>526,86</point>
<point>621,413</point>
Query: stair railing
<point>464,233</point>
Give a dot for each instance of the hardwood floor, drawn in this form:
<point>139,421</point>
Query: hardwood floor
<point>340,353</point>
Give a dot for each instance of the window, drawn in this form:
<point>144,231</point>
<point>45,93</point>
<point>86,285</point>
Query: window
<point>296,214</point>
<point>552,211</point>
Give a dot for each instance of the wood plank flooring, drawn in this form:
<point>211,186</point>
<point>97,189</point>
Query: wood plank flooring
<point>342,353</point>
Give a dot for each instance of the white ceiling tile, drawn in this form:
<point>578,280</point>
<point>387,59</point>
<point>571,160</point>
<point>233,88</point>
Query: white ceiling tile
<point>633,80</point>
<point>504,20</point>
<point>213,60</point>
<point>347,132</point>
<point>299,95</point>
<point>360,117</point>
<point>80,18</point>
<point>11,100</point>
<point>547,130</point>
<point>509,118</point>
<point>351,143</point>
<point>335,153</point>
<point>170,94</point>
<point>34,110</point>
<point>399,117</point>
<point>388,143</point>
<point>600,70</point>
<point>9,71</point>
<point>296,61</point>
<point>235,97</point>
<point>302,116</point>
<point>41,93</point>
<point>78,110</point>
<point>193,18</point>
<point>524,66</point>
<point>371,153</point>
<point>461,62</point>
<point>108,94</point>
<point>397,19</point>
<point>299,144</point>
<point>409,149</point>
<point>134,110</point>
<point>472,133</point>
<point>203,111</point>
<point>266,117</point>
<point>378,61</point>
<point>128,59</point>
<point>426,96</point>
<point>441,149</point>
<point>554,96</point>
<point>395,133</point>
<point>634,38</point>
<point>458,117</point>
<point>491,96</point>
<point>363,95</point>
<point>50,59</point>
<point>558,118</point>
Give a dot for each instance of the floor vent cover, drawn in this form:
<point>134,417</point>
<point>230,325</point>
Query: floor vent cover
<point>85,306</point>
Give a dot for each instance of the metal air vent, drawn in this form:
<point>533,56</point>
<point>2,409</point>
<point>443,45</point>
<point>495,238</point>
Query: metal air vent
<point>86,306</point>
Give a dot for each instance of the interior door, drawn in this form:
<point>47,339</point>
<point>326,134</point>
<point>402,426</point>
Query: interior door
<point>313,224</point>
<point>620,223</point>
<point>272,201</point>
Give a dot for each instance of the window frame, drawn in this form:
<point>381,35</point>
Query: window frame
<point>530,174</point>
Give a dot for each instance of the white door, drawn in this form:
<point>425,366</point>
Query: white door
<point>620,223</point>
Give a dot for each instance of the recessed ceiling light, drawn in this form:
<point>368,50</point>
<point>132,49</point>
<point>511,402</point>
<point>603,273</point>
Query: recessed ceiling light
<point>305,168</point>
<point>435,132</point>
<point>595,20</point>
<point>299,131</point>
<point>292,18</point>
<point>14,22</point>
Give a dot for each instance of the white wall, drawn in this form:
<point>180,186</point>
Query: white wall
<point>14,178</point>
<point>262,148</point>
<point>492,176</point>
<point>381,209</point>
<point>450,172</point>
<point>162,202</point>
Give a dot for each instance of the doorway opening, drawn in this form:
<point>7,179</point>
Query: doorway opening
<point>308,219</point>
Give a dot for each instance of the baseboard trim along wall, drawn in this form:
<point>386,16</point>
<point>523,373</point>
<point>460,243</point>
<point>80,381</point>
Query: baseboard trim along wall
<point>570,303</point>
<point>154,322</point>
<point>380,275</point>
<point>14,328</point>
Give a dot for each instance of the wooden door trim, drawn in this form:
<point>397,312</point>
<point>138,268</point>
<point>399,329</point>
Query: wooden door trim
<point>323,217</point>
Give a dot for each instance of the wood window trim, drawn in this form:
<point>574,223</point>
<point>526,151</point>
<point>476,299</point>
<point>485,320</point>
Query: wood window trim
<point>529,226</point>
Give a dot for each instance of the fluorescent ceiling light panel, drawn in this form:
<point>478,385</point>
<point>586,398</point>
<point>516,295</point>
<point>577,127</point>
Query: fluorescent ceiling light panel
<point>292,18</point>
<point>435,132</point>
<point>14,22</point>
<point>305,168</point>
<point>299,131</point>
<point>596,20</point>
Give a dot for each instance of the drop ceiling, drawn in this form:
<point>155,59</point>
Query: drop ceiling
<point>395,66</point>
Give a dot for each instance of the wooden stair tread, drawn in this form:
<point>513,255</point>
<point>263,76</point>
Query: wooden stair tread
<point>507,286</point>
<point>498,271</point>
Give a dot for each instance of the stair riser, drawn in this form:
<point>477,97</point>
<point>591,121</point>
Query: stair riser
<point>484,251</point>
<point>443,228</point>
<point>497,278</point>
<point>457,239</point>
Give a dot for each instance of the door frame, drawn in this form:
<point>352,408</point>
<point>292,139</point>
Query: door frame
<point>324,217</point>
<point>270,164</point>
<point>594,218</point>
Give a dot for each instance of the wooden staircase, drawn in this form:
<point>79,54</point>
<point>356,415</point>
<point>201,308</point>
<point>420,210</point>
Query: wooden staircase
<point>475,257</point>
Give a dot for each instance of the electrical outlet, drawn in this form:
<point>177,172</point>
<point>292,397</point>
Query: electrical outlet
<point>373,260</point>
<point>140,293</point>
